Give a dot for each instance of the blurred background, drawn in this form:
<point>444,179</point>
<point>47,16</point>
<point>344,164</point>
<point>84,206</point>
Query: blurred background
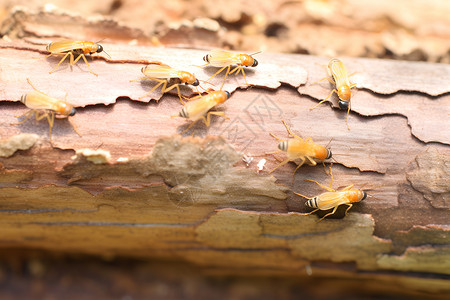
<point>416,30</point>
<point>403,29</point>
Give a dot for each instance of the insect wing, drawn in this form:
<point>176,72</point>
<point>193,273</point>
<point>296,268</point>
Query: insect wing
<point>160,71</point>
<point>339,72</point>
<point>199,108</point>
<point>299,148</point>
<point>38,100</point>
<point>65,45</point>
<point>331,199</point>
<point>221,58</point>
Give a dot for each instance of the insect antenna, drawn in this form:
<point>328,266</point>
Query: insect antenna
<point>207,83</point>
<point>109,56</point>
<point>255,53</point>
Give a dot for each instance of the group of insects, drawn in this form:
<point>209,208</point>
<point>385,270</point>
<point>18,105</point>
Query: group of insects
<point>199,107</point>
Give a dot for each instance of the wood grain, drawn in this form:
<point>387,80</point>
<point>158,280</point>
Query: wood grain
<point>193,199</point>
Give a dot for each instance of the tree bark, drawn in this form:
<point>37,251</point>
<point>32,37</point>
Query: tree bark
<point>156,194</point>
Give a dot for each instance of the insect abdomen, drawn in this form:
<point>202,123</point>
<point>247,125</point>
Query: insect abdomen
<point>312,203</point>
<point>283,146</point>
<point>206,58</point>
<point>23,99</point>
<point>184,113</point>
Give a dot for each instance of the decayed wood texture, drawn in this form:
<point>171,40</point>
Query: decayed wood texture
<point>193,199</point>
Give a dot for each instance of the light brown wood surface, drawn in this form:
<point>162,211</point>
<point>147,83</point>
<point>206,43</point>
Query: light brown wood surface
<point>193,199</point>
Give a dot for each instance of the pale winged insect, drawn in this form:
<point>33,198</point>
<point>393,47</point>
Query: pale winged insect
<point>71,49</point>
<point>339,77</point>
<point>163,74</point>
<point>44,106</point>
<point>333,199</point>
<point>297,148</point>
<point>199,106</point>
<point>225,59</point>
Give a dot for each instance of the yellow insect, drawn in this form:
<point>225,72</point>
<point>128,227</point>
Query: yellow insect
<point>338,76</point>
<point>225,59</point>
<point>163,74</point>
<point>298,148</point>
<point>44,106</point>
<point>333,199</point>
<point>71,49</point>
<point>197,108</point>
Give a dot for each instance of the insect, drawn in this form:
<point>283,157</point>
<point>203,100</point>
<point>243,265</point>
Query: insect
<point>338,76</point>
<point>333,199</point>
<point>225,59</point>
<point>71,49</point>
<point>44,106</point>
<point>199,106</point>
<point>163,74</point>
<point>298,148</point>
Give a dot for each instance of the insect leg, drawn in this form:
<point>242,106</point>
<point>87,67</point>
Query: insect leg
<point>161,81</point>
<point>333,91</point>
<point>85,60</point>
<point>347,188</point>
<point>208,116</point>
<point>299,165</point>
<point>349,206</point>
<point>306,197</point>
<point>221,69</point>
<point>65,56</point>
<point>273,135</point>
<point>348,111</point>
<point>311,161</point>
<point>47,56</point>
<point>193,98</point>
<point>280,164</point>
<point>328,214</point>
<point>274,152</point>
<point>28,114</point>
<point>321,185</point>
<point>327,78</point>
<point>311,212</point>
<point>240,69</point>
<point>189,127</point>
<point>290,132</point>
<point>176,85</point>
<point>225,77</point>
<point>74,127</point>
<point>139,79</point>
<point>202,65</point>
<point>51,121</point>
<point>34,88</point>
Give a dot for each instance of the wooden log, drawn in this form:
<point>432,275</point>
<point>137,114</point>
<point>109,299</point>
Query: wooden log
<point>155,194</point>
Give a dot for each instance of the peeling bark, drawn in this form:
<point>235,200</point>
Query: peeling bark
<point>159,195</point>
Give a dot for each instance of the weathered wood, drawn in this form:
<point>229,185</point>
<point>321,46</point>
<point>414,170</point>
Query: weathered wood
<point>193,199</point>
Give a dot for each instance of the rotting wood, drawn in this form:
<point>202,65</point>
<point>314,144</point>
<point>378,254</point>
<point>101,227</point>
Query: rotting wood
<point>168,198</point>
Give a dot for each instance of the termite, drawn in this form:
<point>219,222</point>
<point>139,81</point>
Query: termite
<point>199,106</point>
<point>225,59</point>
<point>339,77</point>
<point>44,106</point>
<point>163,74</point>
<point>333,199</point>
<point>297,148</point>
<point>71,49</point>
